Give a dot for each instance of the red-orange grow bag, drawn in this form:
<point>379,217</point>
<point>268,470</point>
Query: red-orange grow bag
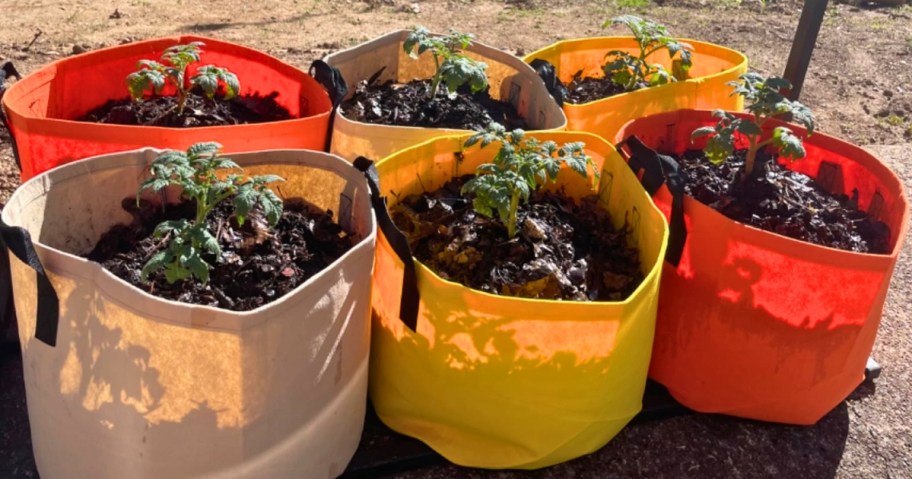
<point>758,325</point>
<point>41,107</point>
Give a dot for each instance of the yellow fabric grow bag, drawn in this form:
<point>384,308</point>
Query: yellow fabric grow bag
<point>500,382</point>
<point>713,67</point>
<point>509,78</point>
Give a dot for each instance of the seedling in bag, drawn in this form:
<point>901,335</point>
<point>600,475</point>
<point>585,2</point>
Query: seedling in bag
<point>521,166</point>
<point>173,69</point>
<point>631,71</point>
<point>195,171</point>
<point>454,69</point>
<point>764,100</point>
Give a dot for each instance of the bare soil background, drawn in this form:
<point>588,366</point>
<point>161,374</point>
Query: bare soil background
<point>859,84</point>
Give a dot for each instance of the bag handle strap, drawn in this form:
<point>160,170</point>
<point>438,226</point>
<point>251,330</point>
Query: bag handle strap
<point>408,303</point>
<point>8,70</point>
<point>18,240</point>
<point>331,79</point>
<point>658,170</point>
<point>548,74</point>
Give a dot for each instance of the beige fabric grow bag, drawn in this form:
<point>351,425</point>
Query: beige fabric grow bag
<point>509,79</point>
<point>139,386</point>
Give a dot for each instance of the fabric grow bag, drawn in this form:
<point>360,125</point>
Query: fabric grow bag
<point>42,106</point>
<point>509,80</point>
<point>762,326</point>
<point>713,67</point>
<point>500,382</point>
<point>138,386</point>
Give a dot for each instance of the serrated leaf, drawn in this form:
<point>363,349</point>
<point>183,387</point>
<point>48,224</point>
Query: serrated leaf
<point>272,206</point>
<point>204,148</point>
<point>790,146</point>
<point>702,131</point>
<point>155,263</point>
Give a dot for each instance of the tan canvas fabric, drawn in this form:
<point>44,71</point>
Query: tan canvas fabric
<point>509,78</point>
<point>138,386</point>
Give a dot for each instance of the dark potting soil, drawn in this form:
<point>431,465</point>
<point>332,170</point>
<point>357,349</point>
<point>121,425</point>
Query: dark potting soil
<point>256,266</point>
<point>783,201</point>
<point>198,111</point>
<point>563,249</point>
<point>586,89</point>
<point>408,105</point>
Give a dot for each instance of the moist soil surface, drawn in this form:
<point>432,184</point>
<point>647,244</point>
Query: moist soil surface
<point>783,201</point>
<point>586,89</point>
<point>256,266</point>
<point>408,105</point>
<point>562,250</point>
<point>198,111</point>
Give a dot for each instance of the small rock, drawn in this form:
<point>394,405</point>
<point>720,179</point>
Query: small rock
<point>412,8</point>
<point>888,93</point>
<point>115,15</point>
<point>77,49</point>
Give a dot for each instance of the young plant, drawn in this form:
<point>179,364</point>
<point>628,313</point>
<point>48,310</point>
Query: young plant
<point>764,100</point>
<point>173,69</point>
<point>454,69</point>
<point>195,171</point>
<point>520,167</point>
<point>628,70</point>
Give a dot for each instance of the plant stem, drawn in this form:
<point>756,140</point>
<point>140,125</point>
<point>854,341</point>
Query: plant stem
<point>511,220</point>
<point>435,84</point>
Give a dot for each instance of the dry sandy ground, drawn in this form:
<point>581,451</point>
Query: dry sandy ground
<point>859,84</point>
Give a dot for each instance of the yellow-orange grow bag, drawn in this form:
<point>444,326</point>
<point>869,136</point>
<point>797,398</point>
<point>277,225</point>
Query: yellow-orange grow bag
<point>502,382</point>
<point>41,107</point>
<point>509,80</point>
<point>713,67</point>
<point>758,325</point>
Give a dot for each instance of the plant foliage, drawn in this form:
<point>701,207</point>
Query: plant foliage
<point>173,69</point>
<point>629,71</point>
<point>453,68</point>
<point>195,171</point>
<point>520,167</point>
<point>764,100</point>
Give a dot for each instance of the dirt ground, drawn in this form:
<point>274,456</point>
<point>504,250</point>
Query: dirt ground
<point>859,84</point>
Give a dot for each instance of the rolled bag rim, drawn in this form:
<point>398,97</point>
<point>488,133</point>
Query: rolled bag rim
<point>164,310</point>
<point>568,447</point>
<point>21,119</point>
<point>344,124</point>
<point>809,402</point>
<point>713,49</point>
<point>807,250</point>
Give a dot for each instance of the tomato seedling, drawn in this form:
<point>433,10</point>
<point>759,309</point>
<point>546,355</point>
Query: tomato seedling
<point>453,67</point>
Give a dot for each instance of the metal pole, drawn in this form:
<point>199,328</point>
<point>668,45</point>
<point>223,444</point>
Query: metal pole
<point>803,45</point>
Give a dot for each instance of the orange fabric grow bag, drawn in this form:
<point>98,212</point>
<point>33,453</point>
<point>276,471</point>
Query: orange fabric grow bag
<point>713,67</point>
<point>758,325</point>
<point>41,107</point>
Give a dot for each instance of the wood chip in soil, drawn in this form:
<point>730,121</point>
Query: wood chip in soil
<point>564,249</point>
<point>256,266</point>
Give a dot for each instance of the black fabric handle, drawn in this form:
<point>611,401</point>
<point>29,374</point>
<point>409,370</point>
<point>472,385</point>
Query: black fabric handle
<point>657,170</point>
<point>18,240</point>
<point>331,79</point>
<point>8,70</point>
<point>548,74</point>
<point>408,303</point>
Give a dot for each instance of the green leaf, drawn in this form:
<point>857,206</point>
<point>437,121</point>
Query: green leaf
<point>789,145</point>
<point>204,148</point>
<point>272,206</point>
<point>718,149</point>
<point>155,263</point>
